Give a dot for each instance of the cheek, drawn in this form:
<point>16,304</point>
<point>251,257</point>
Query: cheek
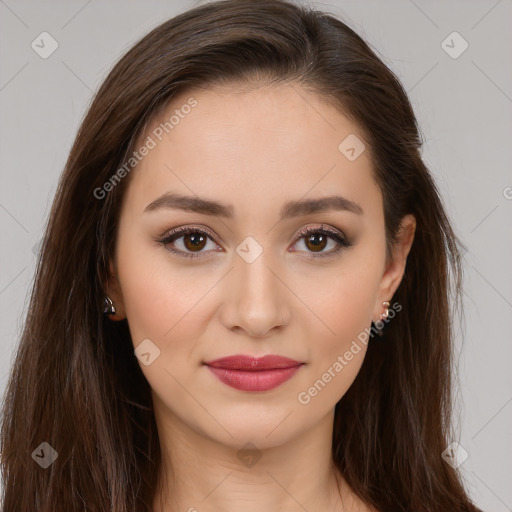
<point>342,301</point>
<point>342,298</point>
<point>164,304</point>
<point>161,299</point>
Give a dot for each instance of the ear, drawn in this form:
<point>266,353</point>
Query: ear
<point>395,268</point>
<point>113,289</point>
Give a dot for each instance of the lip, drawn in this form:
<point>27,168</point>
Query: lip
<point>249,373</point>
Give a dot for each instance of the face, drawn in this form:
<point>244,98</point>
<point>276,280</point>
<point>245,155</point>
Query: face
<point>246,278</point>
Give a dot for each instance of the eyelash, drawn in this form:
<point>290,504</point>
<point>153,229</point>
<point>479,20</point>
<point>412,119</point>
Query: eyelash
<point>178,233</point>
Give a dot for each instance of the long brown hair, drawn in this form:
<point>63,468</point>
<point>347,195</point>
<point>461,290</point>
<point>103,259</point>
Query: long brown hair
<point>76,383</point>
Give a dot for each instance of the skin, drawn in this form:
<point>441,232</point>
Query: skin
<point>254,149</point>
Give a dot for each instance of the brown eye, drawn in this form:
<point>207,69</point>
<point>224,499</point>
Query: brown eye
<point>187,242</point>
<point>316,242</point>
<point>317,239</point>
<point>194,241</point>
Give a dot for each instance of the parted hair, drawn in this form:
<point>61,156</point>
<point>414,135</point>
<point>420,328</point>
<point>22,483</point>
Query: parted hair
<point>75,382</point>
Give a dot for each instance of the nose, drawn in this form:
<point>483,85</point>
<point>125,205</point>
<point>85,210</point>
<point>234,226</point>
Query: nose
<point>255,298</point>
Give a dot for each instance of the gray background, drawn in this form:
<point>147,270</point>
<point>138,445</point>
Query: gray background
<point>464,108</point>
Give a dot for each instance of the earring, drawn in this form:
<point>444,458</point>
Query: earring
<point>386,311</point>
<point>383,317</point>
<point>108,306</point>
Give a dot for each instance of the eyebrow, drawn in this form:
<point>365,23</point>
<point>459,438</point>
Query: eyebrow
<point>217,209</point>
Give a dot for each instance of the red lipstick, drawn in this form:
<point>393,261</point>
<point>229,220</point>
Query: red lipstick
<point>248,373</point>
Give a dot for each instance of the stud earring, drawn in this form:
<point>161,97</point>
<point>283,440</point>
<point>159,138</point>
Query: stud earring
<point>108,306</point>
<point>386,310</point>
<point>380,323</point>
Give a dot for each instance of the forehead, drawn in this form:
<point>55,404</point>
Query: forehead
<point>260,146</point>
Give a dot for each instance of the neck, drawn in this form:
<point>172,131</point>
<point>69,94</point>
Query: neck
<point>200,474</point>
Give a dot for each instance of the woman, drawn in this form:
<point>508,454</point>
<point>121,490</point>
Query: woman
<point>243,295</point>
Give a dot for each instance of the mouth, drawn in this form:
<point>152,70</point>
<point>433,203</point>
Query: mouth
<point>247,373</point>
